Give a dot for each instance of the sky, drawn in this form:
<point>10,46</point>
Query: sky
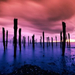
<point>36,16</point>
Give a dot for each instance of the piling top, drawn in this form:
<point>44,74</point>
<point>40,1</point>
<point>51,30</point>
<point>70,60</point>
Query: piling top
<point>15,23</point>
<point>64,24</point>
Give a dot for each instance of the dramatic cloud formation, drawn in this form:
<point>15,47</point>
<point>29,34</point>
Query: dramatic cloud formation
<point>35,16</point>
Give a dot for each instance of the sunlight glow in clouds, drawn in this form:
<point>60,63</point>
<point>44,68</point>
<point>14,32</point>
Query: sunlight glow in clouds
<point>36,16</point>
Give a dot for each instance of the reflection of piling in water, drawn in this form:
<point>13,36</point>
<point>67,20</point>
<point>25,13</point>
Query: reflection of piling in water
<point>56,40</point>
<point>3,37</point>
<point>52,41</point>
<point>6,38</point>
<point>28,40</point>
<point>20,38</point>
<point>24,41</point>
<point>64,37</point>
<point>33,41</point>
<point>15,36</point>
<point>69,39</point>
<point>60,39</point>
<point>43,39</point>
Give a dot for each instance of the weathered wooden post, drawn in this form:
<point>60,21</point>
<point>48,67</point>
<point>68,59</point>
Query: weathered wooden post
<point>60,39</point>
<point>33,41</point>
<point>20,38</point>
<point>69,39</point>
<point>64,37</point>
<point>43,39</point>
<point>28,40</point>
<point>24,41</point>
<point>56,40</point>
<point>48,42</point>
<point>52,41</point>
<point>15,36</point>
<point>3,37</point>
<point>6,38</point>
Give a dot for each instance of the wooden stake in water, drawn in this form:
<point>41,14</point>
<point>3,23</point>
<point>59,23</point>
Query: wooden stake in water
<point>20,38</point>
<point>64,37</point>
<point>52,41</point>
<point>6,38</point>
<point>69,39</point>
<point>3,37</point>
<point>56,40</point>
<point>33,42</point>
<point>60,39</point>
<point>15,36</point>
<point>28,40</point>
<point>43,39</point>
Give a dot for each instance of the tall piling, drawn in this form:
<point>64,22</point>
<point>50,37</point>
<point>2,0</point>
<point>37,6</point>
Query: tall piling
<point>52,41</point>
<point>64,37</point>
<point>28,40</point>
<point>6,38</point>
<point>43,40</point>
<point>24,41</point>
<point>15,36</point>
<point>3,32</point>
<point>20,39</point>
<point>69,39</point>
<point>33,42</point>
<point>60,39</point>
<point>56,40</point>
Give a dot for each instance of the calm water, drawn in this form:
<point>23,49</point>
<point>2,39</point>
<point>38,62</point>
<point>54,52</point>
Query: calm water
<point>48,58</point>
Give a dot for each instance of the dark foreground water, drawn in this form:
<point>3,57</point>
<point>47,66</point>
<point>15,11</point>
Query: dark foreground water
<point>47,59</point>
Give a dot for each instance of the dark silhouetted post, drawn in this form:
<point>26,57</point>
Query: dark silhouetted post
<point>52,41</point>
<point>20,38</point>
<point>3,37</point>
<point>64,37</point>
<point>15,36</point>
<point>43,39</point>
<point>24,41</point>
<point>69,39</point>
<point>48,42</point>
<point>28,40</point>
<point>33,41</point>
<point>6,38</point>
<point>56,40</point>
<point>60,39</point>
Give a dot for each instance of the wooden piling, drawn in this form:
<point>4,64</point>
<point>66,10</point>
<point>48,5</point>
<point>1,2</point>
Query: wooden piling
<point>15,36</point>
<point>33,41</point>
<point>56,40</point>
<point>64,37</point>
<point>60,39</point>
<point>20,38</point>
<point>6,38</point>
<point>69,39</point>
<point>43,40</point>
<point>52,41</point>
<point>3,37</point>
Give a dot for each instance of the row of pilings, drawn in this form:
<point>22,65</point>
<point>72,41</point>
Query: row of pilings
<point>63,38</point>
